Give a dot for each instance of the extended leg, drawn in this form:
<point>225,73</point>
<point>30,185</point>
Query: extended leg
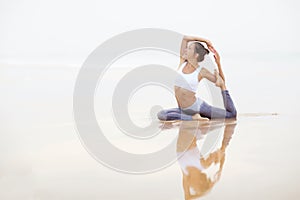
<point>211,112</point>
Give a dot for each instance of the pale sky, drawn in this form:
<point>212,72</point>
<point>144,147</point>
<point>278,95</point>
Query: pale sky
<point>69,30</point>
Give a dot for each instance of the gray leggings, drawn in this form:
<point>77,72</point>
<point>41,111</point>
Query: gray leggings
<point>203,108</point>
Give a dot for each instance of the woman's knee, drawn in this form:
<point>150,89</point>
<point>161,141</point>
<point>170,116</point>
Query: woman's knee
<point>161,115</point>
<point>232,114</point>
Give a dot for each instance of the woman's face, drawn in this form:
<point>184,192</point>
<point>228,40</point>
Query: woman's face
<point>190,51</point>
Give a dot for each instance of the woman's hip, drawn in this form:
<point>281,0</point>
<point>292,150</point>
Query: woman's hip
<point>194,108</point>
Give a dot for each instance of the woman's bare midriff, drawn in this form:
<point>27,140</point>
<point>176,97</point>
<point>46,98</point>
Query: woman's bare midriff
<point>184,97</point>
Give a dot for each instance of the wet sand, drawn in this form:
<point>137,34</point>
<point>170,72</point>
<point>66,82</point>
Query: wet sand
<point>42,156</point>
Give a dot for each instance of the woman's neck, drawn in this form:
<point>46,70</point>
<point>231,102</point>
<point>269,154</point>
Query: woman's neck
<point>193,63</point>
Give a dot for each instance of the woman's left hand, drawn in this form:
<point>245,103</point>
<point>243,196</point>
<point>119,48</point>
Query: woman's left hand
<point>216,54</point>
<point>211,48</point>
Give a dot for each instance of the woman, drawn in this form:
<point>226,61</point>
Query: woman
<point>190,74</point>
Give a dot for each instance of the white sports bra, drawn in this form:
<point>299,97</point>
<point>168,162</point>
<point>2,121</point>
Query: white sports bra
<point>187,81</point>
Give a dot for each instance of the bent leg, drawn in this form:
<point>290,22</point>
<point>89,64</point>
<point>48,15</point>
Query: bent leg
<point>173,114</point>
<point>211,112</point>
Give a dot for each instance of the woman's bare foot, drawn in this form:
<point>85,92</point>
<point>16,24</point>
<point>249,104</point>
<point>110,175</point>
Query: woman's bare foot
<point>199,118</point>
<point>219,81</point>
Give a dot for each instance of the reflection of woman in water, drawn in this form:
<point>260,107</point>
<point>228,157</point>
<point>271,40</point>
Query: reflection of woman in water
<point>190,74</point>
<point>196,180</point>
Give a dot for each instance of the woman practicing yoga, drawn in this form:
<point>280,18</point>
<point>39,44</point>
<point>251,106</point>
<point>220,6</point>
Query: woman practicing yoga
<point>190,74</point>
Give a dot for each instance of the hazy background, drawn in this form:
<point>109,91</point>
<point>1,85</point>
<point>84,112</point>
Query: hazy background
<point>258,40</point>
<point>43,45</point>
<point>67,31</point>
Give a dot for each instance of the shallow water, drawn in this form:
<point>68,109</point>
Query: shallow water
<point>42,156</point>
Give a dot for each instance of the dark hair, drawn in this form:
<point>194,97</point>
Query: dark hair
<point>201,51</point>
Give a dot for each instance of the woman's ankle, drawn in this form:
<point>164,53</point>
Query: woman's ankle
<point>223,87</point>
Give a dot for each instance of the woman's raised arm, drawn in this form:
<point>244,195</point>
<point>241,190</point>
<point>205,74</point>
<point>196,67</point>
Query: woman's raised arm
<point>218,61</point>
<point>199,39</point>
